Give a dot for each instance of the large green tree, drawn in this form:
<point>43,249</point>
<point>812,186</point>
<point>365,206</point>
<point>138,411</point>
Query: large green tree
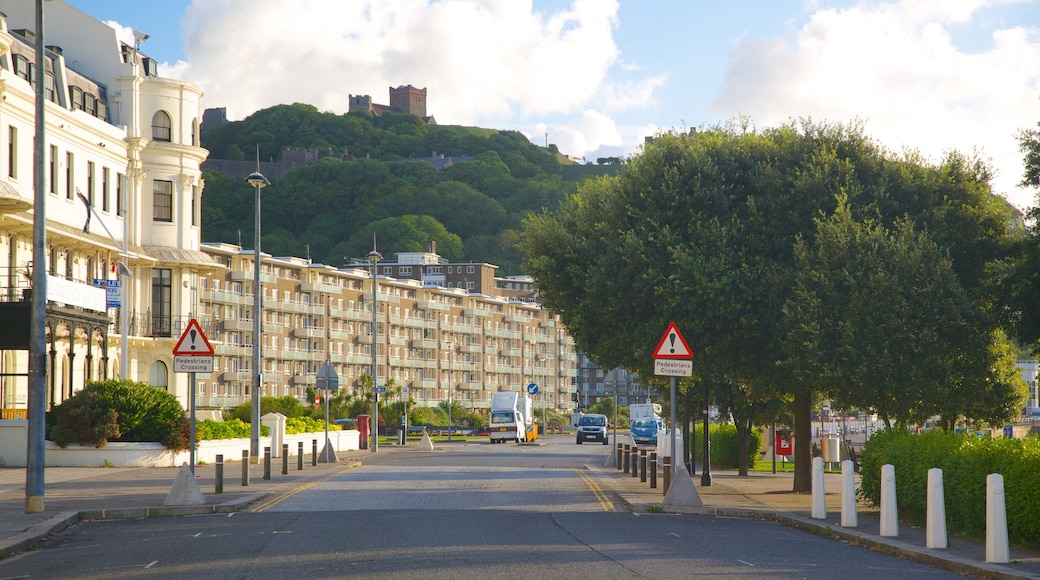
<point>700,229</point>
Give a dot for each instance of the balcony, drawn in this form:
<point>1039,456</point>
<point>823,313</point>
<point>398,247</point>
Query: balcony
<point>290,306</point>
<point>339,335</point>
<point>414,322</point>
<point>423,343</point>
<point>229,349</point>
<point>238,325</point>
<point>303,380</point>
<point>221,297</point>
<point>480,312</point>
<point>363,339</point>
<point>309,332</point>
<point>431,305</point>
<point>320,287</point>
<point>247,275</point>
<point>221,402</point>
<point>355,314</point>
<point>472,348</point>
<point>236,377</point>
<point>273,378</point>
<point>397,341</point>
<point>509,352</point>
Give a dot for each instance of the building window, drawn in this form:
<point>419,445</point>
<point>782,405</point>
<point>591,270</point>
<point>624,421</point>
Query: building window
<point>469,285</point>
<point>162,201</point>
<point>194,205</point>
<point>469,269</point>
<point>48,88</point>
<point>162,301</point>
<point>90,182</point>
<point>12,152</point>
<point>104,190</point>
<point>70,175</point>
<point>159,375</point>
<point>195,132</point>
<point>22,67</point>
<point>120,178</point>
<point>76,98</point>
<point>53,172</point>
<point>406,270</point>
<point>162,127</point>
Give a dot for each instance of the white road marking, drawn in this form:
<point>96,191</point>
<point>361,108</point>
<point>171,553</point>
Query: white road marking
<point>746,563</point>
<point>152,564</point>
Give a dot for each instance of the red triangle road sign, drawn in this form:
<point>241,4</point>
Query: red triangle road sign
<point>673,345</point>
<point>193,341</point>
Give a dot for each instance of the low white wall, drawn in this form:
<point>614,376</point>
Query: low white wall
<point>14,440</point>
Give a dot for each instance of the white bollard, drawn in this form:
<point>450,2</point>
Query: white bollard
<point>997,550</point>
<point>849,518</point>
<point>889,514</point>
<point>819,498</point>
<point>935,534</point>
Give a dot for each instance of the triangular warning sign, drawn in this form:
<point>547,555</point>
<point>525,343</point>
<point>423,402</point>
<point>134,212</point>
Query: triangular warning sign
<point>673,345</point>
<point>193,341</point>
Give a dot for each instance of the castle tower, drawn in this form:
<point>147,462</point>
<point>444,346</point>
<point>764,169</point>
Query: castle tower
<point>360,103</point>
<point>408,99</point>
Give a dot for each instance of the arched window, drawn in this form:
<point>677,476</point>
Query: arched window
<point>159,375</point>
<point>195,132</point>
<point>162,127</point>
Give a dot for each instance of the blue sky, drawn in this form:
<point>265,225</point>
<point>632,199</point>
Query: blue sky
<point>600,75</point>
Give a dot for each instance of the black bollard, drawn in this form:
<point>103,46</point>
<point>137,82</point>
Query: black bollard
<point>285,458</point>
<point>666,464</point>
<point>620,452</point>
<point>653,470</point>
<point>314,452</point>
<point>218,476</point>
<point>245,467</point>
<point>299,456</point>
<point>267,463</point>
<point>642,466</point>
<point>627,454</point>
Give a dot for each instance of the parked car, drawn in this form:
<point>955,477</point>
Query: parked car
<point>592,428</point>
<point>645,430</point>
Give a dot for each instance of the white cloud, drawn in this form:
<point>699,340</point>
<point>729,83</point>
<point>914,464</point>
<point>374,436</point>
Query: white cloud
<point>481,60</point>
<point>580,135</point>
<point>896,66</point>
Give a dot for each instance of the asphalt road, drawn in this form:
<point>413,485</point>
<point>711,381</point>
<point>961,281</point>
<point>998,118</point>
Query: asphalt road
<point>463,511</point>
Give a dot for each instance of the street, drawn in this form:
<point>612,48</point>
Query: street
<point>465,510</point>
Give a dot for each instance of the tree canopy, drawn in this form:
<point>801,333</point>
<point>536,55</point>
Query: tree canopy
<point>702,229</point>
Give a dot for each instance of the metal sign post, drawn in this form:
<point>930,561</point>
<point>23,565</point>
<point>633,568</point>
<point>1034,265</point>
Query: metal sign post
<point>326,380</point>
<point>193,353</point>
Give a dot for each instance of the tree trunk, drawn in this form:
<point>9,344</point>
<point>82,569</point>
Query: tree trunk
<point>803,443</point>
<point>743,440</point>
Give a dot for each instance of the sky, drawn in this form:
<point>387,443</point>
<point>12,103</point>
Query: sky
<point>596,77</point>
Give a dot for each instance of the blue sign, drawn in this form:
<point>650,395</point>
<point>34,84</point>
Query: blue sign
<point>382,389</point>
<point>112,292</point>
<point>532,389</point>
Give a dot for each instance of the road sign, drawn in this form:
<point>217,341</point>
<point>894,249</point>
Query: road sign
<point>673,367</point>
<point>112,291</point>
<point>192,364</point>
<point>193,342</point>
<point>327,379</point>
<point>382,389</point>
<point>673,345</point>
<point>532,389</point>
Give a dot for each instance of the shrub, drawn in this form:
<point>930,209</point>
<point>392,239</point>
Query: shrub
<point>723,439</point>
<point>209,429</point>
<point>141,413</point>
<point>296,425</point>
<point>287,406</point>
<point>83,419</point>
<point>965,461</point>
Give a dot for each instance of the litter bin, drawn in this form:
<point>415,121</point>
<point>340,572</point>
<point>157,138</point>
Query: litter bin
<point>831,452</point>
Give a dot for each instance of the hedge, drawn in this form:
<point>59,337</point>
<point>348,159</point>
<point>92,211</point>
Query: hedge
<point>723,439</point>
<point>965,461</point>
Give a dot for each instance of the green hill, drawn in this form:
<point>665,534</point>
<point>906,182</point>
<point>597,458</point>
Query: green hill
<point>369,177</point>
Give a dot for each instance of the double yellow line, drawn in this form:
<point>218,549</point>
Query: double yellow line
<point>601,496</point>
<point>279,497</point>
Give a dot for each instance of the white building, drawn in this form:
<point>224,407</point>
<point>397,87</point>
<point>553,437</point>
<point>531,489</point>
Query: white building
<point>129,142</point>
<point>1029,370</point>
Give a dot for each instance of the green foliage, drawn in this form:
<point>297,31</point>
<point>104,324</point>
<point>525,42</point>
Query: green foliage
<point>287,405</point>
<point>428,416</point>
<point>331,205</point>
<point>84,419</point>
<point>723,438</point>
<point>142,413</point>
<point>297,425</point>
<point>208,429</point>
<point>965,461</point>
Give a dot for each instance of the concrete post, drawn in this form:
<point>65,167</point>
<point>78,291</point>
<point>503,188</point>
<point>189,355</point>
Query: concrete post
<point>627,454</point>
<point>620,452</point>
<point>849,517</point>
<point>218,476</point>
<point>935,527</point>
<point>245,468</point>
<point>819,498</point>
<point>997,549</point>
<point>889,513</point>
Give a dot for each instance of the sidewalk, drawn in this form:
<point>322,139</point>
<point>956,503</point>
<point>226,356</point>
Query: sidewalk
<point>72,494</point>
<point>75,493</point>
<point>769,496</point>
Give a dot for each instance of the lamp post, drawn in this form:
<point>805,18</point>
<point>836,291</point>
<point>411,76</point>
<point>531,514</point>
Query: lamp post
<point>258,182</point>
<point>374,257</point>
<point>450,389</point>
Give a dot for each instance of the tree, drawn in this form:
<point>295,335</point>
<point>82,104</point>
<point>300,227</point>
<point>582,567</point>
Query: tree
<point>700,229</point>
<point>878,320</point>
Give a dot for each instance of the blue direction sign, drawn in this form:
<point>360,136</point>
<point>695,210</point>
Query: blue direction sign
<point>532,389</point>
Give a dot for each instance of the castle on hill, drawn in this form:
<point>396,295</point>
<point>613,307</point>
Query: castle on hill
<point>403,99</point>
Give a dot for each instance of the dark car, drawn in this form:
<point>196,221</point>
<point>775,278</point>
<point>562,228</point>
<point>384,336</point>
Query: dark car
<point>592,428</point>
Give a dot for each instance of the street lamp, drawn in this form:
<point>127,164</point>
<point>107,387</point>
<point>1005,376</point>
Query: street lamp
<point>451,388</point>
<point>374,257</point>
<point>258,182</point>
